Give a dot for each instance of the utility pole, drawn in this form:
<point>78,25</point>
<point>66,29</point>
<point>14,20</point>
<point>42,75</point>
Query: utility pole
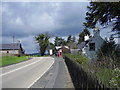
<point>13,43</point>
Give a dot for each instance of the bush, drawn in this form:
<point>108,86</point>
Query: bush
<point>115,80</point>
<point>100,70</point>
<point>80,58</point>
<point>109,55</point>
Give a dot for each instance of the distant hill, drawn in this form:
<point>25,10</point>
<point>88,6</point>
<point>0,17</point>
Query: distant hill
<point>35,54</point>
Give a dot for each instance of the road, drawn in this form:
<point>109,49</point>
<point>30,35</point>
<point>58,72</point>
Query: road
<point>25,74</point>
<point>56,77</point>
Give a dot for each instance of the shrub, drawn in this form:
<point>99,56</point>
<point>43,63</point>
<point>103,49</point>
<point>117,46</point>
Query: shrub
<point>115,80</point>
<point>80,58</point>
<point>109,55</point>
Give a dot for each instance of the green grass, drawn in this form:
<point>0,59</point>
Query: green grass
<point>103,74</point>
<point>7,60</point>
<point>81,59</point>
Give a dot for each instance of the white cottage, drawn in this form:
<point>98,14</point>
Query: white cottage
<point>14,49</point>
<point>91,46</point>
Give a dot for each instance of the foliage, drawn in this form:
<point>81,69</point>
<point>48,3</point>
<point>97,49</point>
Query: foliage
<point>43,41</point>
<point>59,41</point>
<point>82,34</point>
<point>81,59</point>
<point>6,60</point>
<point>115,80</point>
<point>52,46</point>
<point>104,13</point>
<point>109,53</point>
<point>107,76</point>
<point>71,42</point>
<point>71,39</point>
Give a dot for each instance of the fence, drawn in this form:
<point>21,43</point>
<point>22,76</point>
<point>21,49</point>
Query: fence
<point>80,78</point>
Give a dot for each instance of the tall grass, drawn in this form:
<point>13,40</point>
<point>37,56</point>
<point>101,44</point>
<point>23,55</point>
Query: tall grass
<point>80,58</point>
<point>110,77</point>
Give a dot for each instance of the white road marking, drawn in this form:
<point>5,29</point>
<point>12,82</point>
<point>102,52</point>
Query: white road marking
<point>41,75</point>
<point>19,68</point>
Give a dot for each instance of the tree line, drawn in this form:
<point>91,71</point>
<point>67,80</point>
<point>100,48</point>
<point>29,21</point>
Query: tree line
<point>71,42</point>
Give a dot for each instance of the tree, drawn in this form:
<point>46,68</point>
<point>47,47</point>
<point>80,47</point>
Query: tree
<point>86,32</point>
<point>71,39</point>
<point>81,37</point>
<point>52,46</point>
<point>43,41</point>
<point>82,34</point>
<point>59,41</point>
<point>104,13</point>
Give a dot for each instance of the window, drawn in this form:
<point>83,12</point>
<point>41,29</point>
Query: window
<point>92,46</point>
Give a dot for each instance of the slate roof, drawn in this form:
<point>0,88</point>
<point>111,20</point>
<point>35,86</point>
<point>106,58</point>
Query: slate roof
<point>12,46</point>
<point>81,45</point>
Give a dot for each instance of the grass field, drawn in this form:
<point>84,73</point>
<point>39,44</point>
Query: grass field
<point>7,60</point>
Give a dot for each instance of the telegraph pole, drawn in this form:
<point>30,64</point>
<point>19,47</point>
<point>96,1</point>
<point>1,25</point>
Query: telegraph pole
<point>13,43</point>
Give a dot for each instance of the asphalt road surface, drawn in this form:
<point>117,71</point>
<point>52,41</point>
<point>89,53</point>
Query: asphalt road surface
<point>56,77</point>
<point>25,74</point>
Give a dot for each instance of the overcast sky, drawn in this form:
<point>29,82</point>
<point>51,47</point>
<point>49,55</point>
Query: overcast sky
<point>24,20</point>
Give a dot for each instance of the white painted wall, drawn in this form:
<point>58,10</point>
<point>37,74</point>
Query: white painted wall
<point>10,51</point>
<point>74,51</point>
<point>51,52</point>
<point>86,37</point>
<point>98,43</point>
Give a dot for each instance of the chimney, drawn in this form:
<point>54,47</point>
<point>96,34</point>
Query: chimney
<point>86,37</point>
<point>96,32</point>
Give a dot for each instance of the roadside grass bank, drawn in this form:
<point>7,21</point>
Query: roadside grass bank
<point>8,60</point>
<point>109,77</point>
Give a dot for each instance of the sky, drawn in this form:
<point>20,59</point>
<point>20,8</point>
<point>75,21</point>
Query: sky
<point>25,20</point>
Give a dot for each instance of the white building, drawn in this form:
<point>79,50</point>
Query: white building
<point>91,46</point>
<point>50,51</point>
<point>14,49</point>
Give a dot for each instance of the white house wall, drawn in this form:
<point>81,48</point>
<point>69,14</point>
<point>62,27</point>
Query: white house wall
<point>98,43</point>
<point>10,51</point>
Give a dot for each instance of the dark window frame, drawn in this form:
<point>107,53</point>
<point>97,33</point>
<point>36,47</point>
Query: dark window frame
<point>91,46</point>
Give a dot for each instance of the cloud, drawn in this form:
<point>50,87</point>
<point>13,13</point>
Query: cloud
<point>27,19</point>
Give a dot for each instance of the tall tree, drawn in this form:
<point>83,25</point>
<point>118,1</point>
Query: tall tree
<point>59,41</point>
<point>82,34</point>
<point>104,13</point>
<point>43,41</point>
<point>52,46</point>
<point>86,32</point>
<point>71,39</point>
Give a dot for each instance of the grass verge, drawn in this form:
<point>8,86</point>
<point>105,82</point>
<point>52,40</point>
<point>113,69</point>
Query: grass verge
<point>108,76</point>
<point>7,60</point>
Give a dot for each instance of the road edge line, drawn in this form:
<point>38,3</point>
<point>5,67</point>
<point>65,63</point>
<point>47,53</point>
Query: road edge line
<point>18,69</point>
<point>42,74</point>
